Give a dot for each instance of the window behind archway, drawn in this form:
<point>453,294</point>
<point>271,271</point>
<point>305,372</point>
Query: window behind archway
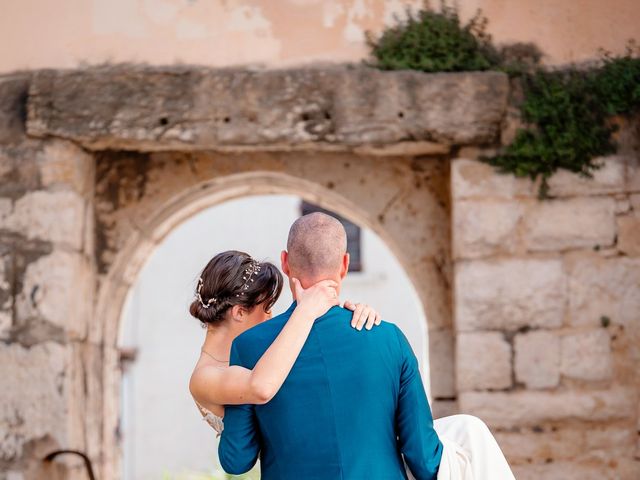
<point>354,235</point>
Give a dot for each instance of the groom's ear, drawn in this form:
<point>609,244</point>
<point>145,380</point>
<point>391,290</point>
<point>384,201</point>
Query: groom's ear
<point>345,265</point>
<point>284,260</point>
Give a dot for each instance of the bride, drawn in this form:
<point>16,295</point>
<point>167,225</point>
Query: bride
<point>235,293</point>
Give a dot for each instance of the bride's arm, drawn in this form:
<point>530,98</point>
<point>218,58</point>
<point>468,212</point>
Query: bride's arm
<point>237,385</point>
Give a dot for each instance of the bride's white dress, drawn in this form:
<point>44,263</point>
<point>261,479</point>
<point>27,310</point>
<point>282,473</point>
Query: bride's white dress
<point>470,452</point>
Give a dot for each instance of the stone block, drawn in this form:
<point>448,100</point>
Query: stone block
<point>623,205</point>
<point>629,233</point>
<point>58,288</point>
<point>564,442</point>
<point>571,223</point>
<point>474,179</point>
<point>534,407</point>
<point>56,217</point>
<point>568,470</point>
<point>587,355</point>
<point>484,228</point>
<point>609,178</point>
<point>483,361</point>
<point>509,294</point>
<point>604,287</point>
<point>32,396</point>
<point>64,164</point>
<point>214,108</point>
<point>537,359</point>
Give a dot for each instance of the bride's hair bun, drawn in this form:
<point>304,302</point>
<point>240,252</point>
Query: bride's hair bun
<point>234,278</point>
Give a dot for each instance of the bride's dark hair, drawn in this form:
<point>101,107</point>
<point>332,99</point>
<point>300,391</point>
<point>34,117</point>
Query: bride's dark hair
<point>234,278</point>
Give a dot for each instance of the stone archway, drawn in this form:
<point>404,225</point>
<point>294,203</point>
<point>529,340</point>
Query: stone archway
<point>124,153</point>
<point>140,199</point>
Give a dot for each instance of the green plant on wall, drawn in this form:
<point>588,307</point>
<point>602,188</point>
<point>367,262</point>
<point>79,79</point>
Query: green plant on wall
<point>566,112</point>
<point>567,115</point>
<point>434,41</point>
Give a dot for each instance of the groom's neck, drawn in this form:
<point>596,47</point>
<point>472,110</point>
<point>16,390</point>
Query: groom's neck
<point>307,281</point>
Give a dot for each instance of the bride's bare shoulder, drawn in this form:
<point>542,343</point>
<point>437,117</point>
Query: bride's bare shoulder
<point>205,378</point>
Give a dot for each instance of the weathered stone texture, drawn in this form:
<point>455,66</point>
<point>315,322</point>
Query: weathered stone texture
<point>483,361</point>
<point>610,178</point>
<point>13,105</point>
<point>471,179</point>
<point>623,204</point>
<point>565,442</point>
<point>58,289</point>
<point>611,469</point>
<point>33,396</point>
<point>484,228</point>
<point>608,287</point>
<point>537,359</point>
<point>475,179</point>
<point>629,234</point>
<point>587,355</point>
<point>509,294</point>
<point>529,407</point>
<point>6,295</point>
<point>173,108</point>
<point>65,165</point>
<point>574,223</point>
<point>56,217</point>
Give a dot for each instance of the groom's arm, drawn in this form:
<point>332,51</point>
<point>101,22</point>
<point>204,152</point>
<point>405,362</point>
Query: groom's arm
<point>418,441</point>
<point>239,446</point>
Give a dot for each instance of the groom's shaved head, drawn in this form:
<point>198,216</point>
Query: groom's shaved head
<point>316,245</point>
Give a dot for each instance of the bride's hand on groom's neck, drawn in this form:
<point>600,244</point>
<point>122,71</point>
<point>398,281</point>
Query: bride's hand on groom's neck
<point>318,298</point>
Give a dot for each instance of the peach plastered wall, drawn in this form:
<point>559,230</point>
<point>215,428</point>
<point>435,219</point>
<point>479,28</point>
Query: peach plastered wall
<point>275,33</point>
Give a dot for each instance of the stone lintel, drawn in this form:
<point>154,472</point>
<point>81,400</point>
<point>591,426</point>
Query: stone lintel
<point>196,108</point>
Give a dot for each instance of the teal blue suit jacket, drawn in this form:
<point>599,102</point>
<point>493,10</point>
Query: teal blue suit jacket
<point>353,402</point>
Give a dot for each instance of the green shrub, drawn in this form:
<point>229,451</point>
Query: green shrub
<point>434,41</point>
<point>567,116</point>
<point>566,112</point>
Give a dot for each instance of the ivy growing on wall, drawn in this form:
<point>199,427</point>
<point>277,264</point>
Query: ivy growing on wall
<point>566,112</point>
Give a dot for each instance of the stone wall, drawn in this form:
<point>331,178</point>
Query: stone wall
<point>547,315</point>
<point>533,306</point>
<point>49,398</point>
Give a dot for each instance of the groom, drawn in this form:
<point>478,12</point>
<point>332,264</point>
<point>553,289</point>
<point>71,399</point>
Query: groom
<point>353,402</point>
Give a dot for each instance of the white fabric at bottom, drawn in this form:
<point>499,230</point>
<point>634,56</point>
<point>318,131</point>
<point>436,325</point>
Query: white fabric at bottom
<point>470,451</point>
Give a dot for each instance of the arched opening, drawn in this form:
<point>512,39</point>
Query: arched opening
<point>167,216</point>
<point>156,326</point>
